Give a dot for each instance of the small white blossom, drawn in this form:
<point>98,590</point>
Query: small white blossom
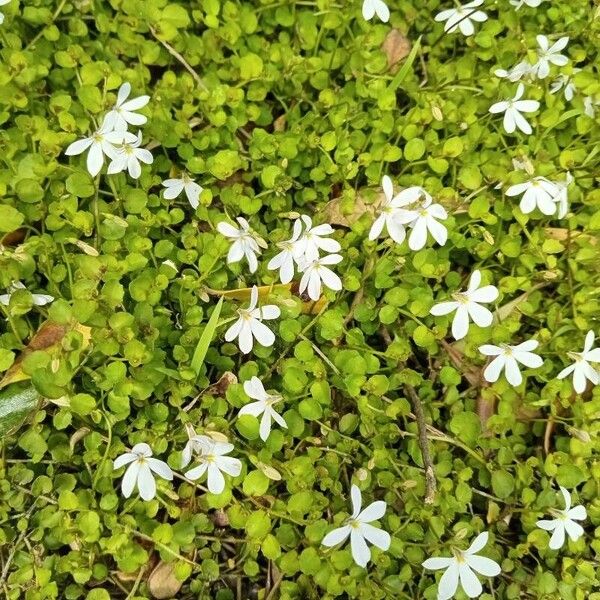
<point>564,522</point>
<point>507,358</point>
<point>263,406</point>
<point>212,459</point>
<point>176,186</point>
<point>316,272</point>
<point>38,299</point>
<point>313,240</point>
<point>562,195</point>
<point>467,305</point>
<point>531,3</point>
<point>123,112</point>
<point>129,155</point>
<point>581,368</point>
<point>462,567</point>
<point>512,110</point>
<point>246,243</point>
<point>589,106</point>
<point>520,70</point>
<point>99,143</point>
<point>548,55</point>
<point>462,18</point>
<point>391,209</point>
<point>140,471</point>
<point>3,3</point>
<point>375,7</point>
<point>564,81</point>
<point>424,220</point>
<point>537,192</point>
<point>249,325</point>
<point>360,530</point>
<point>286,260</point>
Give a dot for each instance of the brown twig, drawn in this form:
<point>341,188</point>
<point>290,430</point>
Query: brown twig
<point>430,482</point>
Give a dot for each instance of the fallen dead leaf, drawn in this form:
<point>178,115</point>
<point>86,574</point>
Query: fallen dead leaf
<point>396,46</point>
<point>335,213</point>
<point>561,234</point>
<point>162,582</point>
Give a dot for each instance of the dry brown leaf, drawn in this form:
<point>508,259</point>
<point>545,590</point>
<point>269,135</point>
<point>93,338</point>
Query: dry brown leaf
<point>396,47</point>
<point>334,215</point>
<point>162,582</point>
<point>279,123</point>
<point>562,235</point>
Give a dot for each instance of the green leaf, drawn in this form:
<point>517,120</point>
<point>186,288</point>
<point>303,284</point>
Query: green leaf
<point>206,338</point>
<point>10,218</point>
<point>17,402</point>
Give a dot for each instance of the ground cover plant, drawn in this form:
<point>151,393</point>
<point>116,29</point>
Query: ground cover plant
<point>299,299</point>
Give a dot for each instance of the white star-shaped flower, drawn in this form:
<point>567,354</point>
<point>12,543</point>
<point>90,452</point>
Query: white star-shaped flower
<point>467,305</point>
<point>360,530</point>
<point>313,240</point>
<point>520,3</point>
<point>564,522</point>
<point>249,325</point>
<point>512,110</point>
<point>263,406</point>
<point>140,471</point>
<point>537,192</point>
<point>424,219</point>
<point>564,81</point>
<point>462,18</point>
<point>99,143</point>
<point>562,195</point>
<point>246,243</point>
<point>176,186</point>
<point>290,253</point>
<point>3,3</point>
<point>520,70</point>
<point>212,459</point>
<point>128,156</point>
<point>461,568</point>
<point>370,8</point>
<point>581,368</point>
<point>317,272</point>
<point>38,299</point>
<point>508,358</point>
<point>123,112</point>
<point>548,55</point>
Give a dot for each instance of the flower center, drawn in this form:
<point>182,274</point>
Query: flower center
<point>461,297</point>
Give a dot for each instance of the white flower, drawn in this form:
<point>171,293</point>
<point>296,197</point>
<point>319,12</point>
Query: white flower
<point>129,155</point>
<point>263,406</point>
<point>212,459</point>
<point>2,3</point>
<point>176,186</point>
<point>461,567</point>
<point>313,240</point>
<point>316,272</point>
<point>564,81</point>
<point>517,72</point>
<point>250,326</point>
<point>391,209</point>
<point>462,18</point>
<point>467,305</point>
<point>140,469</point>
<point>549,55</point>
<point>424,219</point>
<point>512,110</point>
<point>289,255</point>
<point>531,3</point>
<point>565,521</point>
<point>360,530</point>
<point>581,368</point>
<point>38,299</point>
<point>375,7</point>
<point>589,106</point>
<point>123,111</point>
<point>245,242</point>
<point>562,195</point>
<point>537,192</point>
<point>508,358</point>
<point>99,145</point>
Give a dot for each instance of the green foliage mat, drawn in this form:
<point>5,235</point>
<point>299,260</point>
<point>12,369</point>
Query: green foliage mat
<point>280,108</point>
